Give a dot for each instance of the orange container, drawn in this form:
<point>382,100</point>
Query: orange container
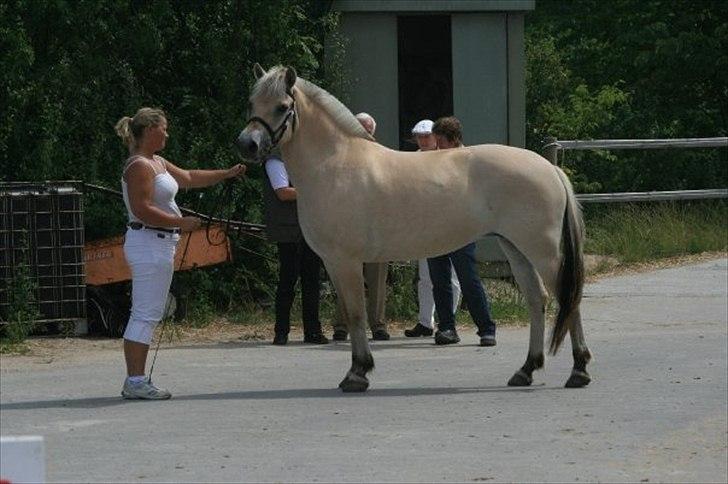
<point>105,262</point>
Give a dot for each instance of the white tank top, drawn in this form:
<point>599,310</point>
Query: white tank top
<point>165,189</point>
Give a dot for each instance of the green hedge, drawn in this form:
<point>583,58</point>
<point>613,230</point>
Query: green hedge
<point>630,69</point>
<point>71,69</point>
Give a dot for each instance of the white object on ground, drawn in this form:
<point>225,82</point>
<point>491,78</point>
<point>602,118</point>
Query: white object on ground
<point>22,459</point>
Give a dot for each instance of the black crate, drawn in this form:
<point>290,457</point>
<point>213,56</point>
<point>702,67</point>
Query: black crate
<point>41,227</point>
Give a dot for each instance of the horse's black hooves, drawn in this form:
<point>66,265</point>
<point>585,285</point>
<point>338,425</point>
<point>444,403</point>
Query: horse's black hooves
<point>520,379</point>
<point>349,385</point>
<point>578,379</point>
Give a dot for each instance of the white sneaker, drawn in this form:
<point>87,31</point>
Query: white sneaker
<point>143,391</point>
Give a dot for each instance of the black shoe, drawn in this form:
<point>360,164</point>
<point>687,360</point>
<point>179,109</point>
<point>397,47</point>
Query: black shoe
<point>417,331</point>
<point>280,339</point>
<point>380,335</point>
<point>340,335</point>
<point>487,340</point>
<point>447,337</point>
<point>316,339</point>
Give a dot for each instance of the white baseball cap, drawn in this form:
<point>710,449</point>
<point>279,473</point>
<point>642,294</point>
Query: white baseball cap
<point>423,127</point>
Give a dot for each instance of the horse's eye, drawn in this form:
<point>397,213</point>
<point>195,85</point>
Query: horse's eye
<point>282,109</point>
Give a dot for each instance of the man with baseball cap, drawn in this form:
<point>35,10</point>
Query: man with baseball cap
<point>422,133</point>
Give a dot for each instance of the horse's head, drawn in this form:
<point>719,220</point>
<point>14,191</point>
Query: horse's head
<point>272,112</point>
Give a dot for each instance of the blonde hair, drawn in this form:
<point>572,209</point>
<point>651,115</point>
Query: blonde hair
<point>130,130</point>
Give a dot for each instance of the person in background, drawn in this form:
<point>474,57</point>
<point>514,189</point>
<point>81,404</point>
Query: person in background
<point>375,278</point>
<point>149,184</point>
<point>448,133</point>
<point>295,258</point>
<point>422,133</point>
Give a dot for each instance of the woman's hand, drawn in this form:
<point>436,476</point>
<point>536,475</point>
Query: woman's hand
<point>189,224</point>
<point>236,171</point>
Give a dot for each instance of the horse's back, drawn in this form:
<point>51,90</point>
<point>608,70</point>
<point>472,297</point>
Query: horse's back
<point>512,170</point>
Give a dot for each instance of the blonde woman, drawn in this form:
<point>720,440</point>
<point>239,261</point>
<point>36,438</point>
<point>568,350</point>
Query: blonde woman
<point>149,184</point>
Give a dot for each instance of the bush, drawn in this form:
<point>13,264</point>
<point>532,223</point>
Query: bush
<point>72,68</point>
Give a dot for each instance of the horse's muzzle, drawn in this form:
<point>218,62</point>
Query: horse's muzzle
<point>249,145</point>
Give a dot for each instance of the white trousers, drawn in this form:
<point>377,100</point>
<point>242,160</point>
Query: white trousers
<point>150,255</point>
<point>424,294</point>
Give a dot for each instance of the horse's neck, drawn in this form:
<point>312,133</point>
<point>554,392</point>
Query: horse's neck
<point>316,143</point>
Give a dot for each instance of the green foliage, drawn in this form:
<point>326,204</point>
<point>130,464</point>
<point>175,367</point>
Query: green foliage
<point>402,292</point>
<point>22,310</point>
<point>630,69</point>
<point>72,68</point>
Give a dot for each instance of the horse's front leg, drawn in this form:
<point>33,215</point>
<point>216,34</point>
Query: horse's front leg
<point>349,281</point>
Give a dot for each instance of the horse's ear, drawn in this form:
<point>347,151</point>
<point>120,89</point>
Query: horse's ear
<point>258,71</point>
<point>290,77</point>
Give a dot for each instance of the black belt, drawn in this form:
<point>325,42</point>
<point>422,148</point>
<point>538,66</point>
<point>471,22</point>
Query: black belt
<point>139,226</point>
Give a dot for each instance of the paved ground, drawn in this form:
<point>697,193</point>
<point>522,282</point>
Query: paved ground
<point>252,412</point>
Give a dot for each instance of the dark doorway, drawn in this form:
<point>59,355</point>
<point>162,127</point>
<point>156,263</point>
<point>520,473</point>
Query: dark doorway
<point>425,72</point>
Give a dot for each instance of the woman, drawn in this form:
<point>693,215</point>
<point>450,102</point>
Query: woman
<point>149,184</point>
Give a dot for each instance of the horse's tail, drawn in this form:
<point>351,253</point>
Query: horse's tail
<point>570,281</point>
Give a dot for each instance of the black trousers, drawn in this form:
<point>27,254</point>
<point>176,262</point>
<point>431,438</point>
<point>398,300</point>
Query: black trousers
<point>296,259</point>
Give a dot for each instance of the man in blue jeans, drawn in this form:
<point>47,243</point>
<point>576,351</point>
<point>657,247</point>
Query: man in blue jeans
<point>448,132</point>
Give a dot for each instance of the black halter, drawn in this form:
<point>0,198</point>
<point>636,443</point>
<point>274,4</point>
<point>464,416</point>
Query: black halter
<point>277,134</point>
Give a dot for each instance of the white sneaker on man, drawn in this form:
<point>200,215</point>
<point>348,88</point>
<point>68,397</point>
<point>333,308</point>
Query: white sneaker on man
<point>143,390</point>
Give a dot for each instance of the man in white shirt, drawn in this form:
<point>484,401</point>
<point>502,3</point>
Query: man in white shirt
<point>296,259</point>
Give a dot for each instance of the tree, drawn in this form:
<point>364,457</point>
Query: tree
<point>631,69</point>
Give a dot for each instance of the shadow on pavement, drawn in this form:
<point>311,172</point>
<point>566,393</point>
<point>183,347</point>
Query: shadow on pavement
<point>100,402</point>
<point>395,342</point>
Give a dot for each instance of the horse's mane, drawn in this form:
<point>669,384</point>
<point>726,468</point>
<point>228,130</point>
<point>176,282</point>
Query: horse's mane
<point>274,84</point>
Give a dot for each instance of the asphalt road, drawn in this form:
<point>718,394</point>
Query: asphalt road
<point>655,411</point>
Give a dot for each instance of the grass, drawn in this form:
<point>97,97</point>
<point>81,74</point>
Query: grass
<point>13,348</point>
<point>644,232</point>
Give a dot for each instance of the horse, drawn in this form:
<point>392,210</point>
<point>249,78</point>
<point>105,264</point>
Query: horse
<point>359,202</point>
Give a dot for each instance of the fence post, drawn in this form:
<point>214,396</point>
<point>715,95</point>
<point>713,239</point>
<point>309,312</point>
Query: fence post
<point>551,150</point>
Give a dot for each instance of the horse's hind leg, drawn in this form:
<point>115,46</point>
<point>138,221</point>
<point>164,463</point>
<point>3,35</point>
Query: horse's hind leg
<point>536,296</point>
<point>349,281</point>
<point>579,376</point>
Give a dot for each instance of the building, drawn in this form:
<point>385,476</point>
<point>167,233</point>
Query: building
<point>408,60</point>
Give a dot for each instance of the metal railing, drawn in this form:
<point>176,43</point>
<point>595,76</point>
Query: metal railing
<point>553,147</point>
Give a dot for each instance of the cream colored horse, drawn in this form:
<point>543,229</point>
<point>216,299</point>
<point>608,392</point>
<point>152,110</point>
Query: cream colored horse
<point>359,201</point>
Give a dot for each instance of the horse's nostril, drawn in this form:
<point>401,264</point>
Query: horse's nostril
<point>252,147</point>
<point>247,146</point>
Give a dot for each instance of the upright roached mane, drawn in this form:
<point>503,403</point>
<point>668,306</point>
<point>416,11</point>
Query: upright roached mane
<point>273,85</point>
<point>359,201</point>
